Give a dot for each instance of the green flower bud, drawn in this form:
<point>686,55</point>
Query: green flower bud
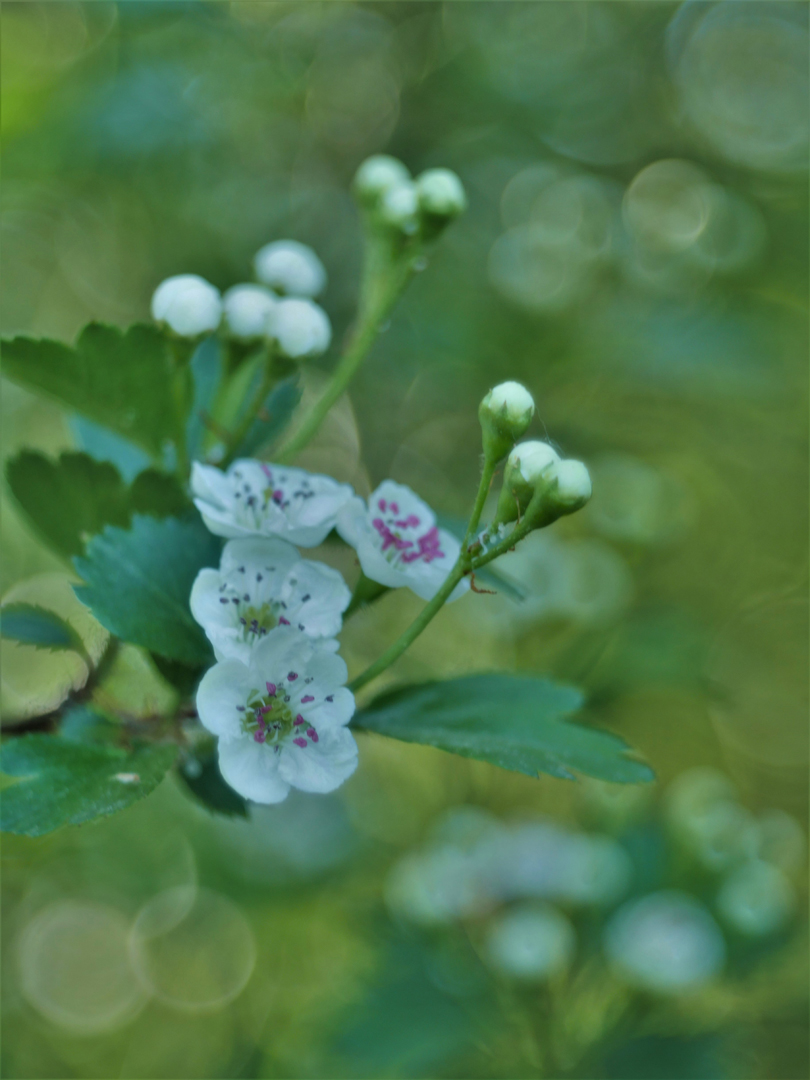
<point>505,414</point>
<point>525,476</point>
<point>377,175</point>
<point>572,488</point>
<point>399,207</point>
<point>441,194</point>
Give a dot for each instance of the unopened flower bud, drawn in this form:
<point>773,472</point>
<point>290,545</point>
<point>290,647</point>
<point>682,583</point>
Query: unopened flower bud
<point>399,206</point>
<point>572,488</point>
<point>505,414</point>
<point>290,268</point>
<point>377,175</point>
<point>188,305</point>
<point>300,328</point>
<point>441,194</point>
<point>526,474</point>
<point>246,310</point>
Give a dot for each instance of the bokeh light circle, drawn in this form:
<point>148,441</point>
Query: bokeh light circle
<point>75,968</point>
<point>193,949</point>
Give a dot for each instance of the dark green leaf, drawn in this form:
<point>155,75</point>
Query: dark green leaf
<point>30,624</point>
<point>68,498</point>
<point>491,576</point>
<point>274,416</point>
<point>118,378</point>
<point>104,445</point>
<point>204,780</point>
<point>62,782</point>
<point>157,493</point>
<point>75,496</point>
<point>138,583</point>
<point>206,376</point>
<point>514,721</point>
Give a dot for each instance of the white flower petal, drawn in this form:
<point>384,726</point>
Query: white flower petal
<point>259,551</point>
<point>325,715</point>
<point>322,766</point>
<point>252,770</point>
<point>261,499</point>
<point>284,649</point>
<point>351,520</point>
<point>398,543</point>
<point>315,596</point>
<point>223,690</point>
<point>205,597</point>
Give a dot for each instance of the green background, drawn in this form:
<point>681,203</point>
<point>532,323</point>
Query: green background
<point>635,252</point>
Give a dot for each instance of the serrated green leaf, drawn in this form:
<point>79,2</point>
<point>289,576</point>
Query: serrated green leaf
<point>273,418</point>
<point>207,372</point>
<point>75,496</point>
<point>491,576</point>
<point>62,782</point>
<point>513,721</point>
<point>138,582</point>
<point>30,624</point>
<point>67,498</point>
<point>204,780</point>
<point>118,378</point>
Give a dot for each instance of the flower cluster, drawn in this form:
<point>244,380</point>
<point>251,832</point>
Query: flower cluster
<point>279,310</point>
<point>276,697</point>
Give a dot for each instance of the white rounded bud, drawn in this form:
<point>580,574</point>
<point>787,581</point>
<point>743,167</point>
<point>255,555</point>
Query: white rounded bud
<point>246,310</point>
<point>505,413</point>
<point>399,206</point>
<point>441,193</point>
<point>290,268</point>
<point>300,328</point>
<point>574,486</point>
<point>377,174</point>
<point>187,304</point>
<point>531,460</point>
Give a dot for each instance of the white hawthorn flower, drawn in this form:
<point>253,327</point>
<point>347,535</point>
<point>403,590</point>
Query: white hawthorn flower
<point>187,304</point>
<point>280,719</point>
<point>441,193</point>
<point>290,268</point>
<point>398,542</point>
<point>377,174</point>
<point>300,328</point>
<point>246,310</point>
<point>254,498</point>
<point>261,584</point>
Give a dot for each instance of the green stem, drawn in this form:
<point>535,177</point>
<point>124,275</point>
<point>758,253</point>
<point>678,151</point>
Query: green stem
<point>464,564</point>
<point>505,545</point>
<point>414,630</point>
<point>373,314</point>
<point>483,490</point>
<point>247,421</point>
<point>180,352</point>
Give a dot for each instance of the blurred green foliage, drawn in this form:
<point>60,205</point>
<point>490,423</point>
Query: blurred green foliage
<point>635,251</point>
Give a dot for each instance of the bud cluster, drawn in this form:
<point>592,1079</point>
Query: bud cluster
<point>538,485</point>
<point>279,310</point>
<point>395,201</point>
